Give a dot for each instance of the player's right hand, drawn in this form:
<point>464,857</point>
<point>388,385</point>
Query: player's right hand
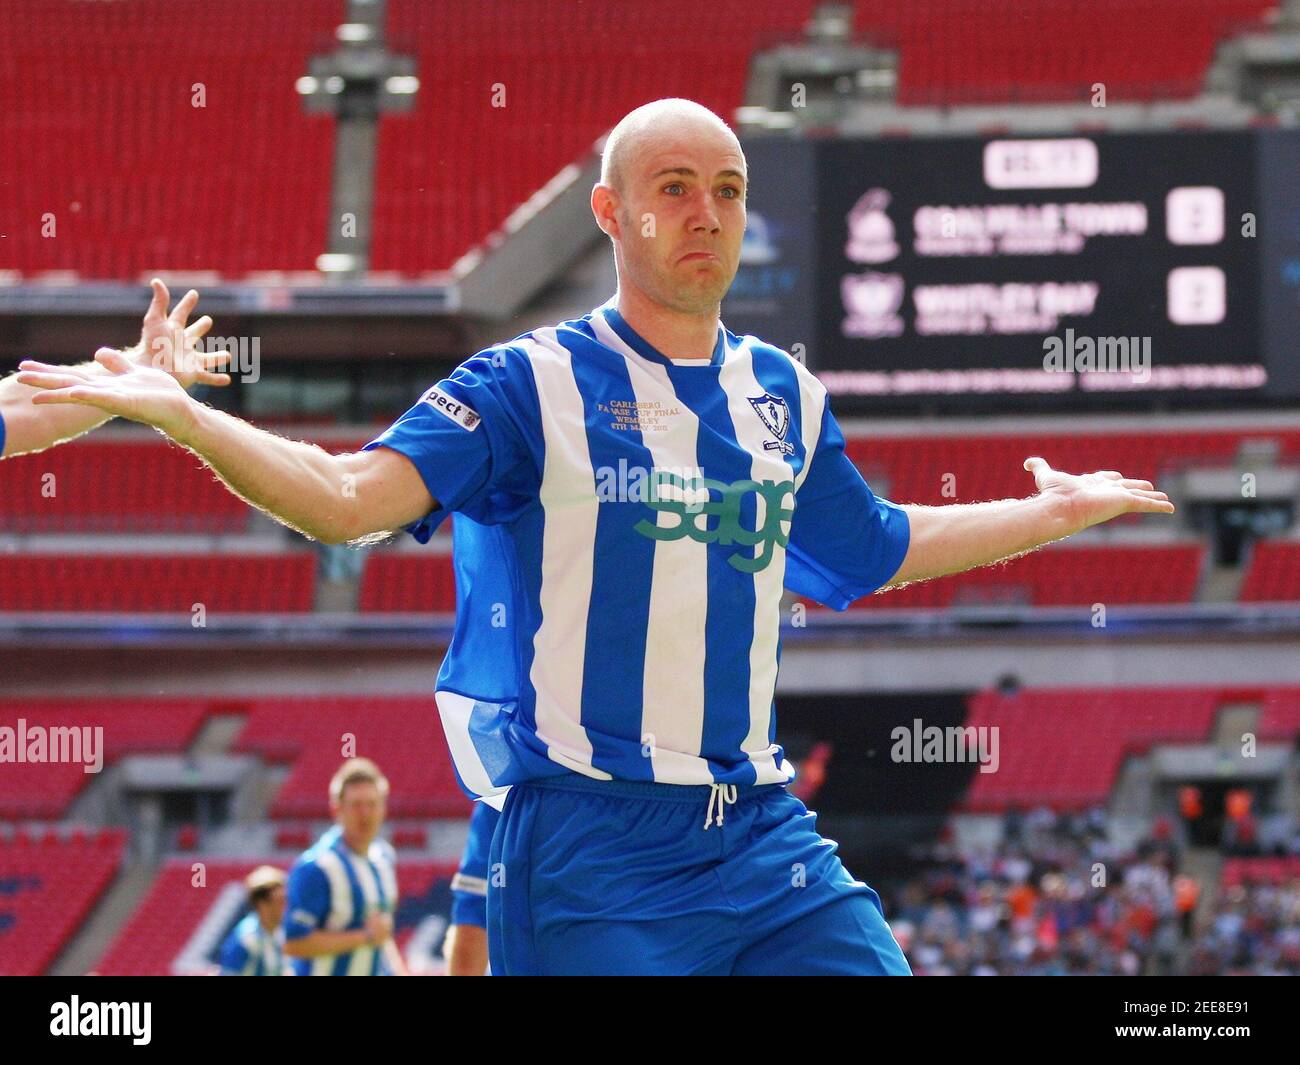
<point>167,343</point>
<point>379,928</point>
<point>139,393</point>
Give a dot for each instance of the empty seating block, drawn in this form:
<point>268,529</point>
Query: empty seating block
<point>239,181</point>
<point>1247,871</point>
<point>496,85</point>
<point>1279,717</point>
<point>1273,572</point>
<point>158,584</point>
<point>1064,747</point>
<point>939,469</point>
<point>99,484</point>
<point>402,734</point>
<point>502,108</point>
<point>971,52</point>
<point>47,889</point>
<point>1060,576</point>
<point>130,726</point>
<point>397,582</point>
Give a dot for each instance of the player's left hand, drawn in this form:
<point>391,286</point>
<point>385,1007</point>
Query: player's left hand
<point>122,388</point>
<point>1091,498</point>
<point>168,344</point>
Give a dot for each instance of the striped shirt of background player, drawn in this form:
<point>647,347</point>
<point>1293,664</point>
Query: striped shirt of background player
<point>250,950</point>
<point>334,889</point>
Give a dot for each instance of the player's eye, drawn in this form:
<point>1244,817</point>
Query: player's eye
<point>674,185</point>
<point>735,192</point>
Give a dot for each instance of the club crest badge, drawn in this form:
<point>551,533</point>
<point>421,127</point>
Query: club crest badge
<point>774,413</point>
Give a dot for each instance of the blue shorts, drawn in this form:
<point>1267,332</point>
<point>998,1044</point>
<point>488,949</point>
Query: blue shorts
<point>621,877</point>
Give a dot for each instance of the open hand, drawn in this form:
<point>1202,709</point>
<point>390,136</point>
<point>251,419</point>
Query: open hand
<point>1091,498</point>
<point>139,393</point>
<point>168,344</point>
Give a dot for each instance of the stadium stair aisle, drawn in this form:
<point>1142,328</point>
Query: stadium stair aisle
<point>217,734</point>
<point>1205,866</point>
<point>106,920</point>
<point>1220,584</point>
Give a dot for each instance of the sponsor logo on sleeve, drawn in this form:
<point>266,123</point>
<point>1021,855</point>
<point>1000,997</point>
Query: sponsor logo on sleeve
<point>462,414</point>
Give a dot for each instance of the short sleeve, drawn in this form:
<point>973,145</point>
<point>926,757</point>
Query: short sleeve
<point>469,886</point>
<point>308,901</point>
<point>234,955</point>
<point>845,541</point>
<point>470,438</point>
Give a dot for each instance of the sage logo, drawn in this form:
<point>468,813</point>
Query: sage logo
<point>683,500</point>
<point>102,1018</point>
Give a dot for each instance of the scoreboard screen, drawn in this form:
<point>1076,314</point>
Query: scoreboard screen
<point>1070,270</point>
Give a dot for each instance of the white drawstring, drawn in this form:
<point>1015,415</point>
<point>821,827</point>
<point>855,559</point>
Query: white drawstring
<point>721,794</point>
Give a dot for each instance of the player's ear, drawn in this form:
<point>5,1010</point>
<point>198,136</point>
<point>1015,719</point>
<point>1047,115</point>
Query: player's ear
<point>604,205</point>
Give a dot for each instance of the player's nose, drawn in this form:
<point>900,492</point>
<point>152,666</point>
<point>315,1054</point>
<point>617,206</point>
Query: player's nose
<point>704,217</point>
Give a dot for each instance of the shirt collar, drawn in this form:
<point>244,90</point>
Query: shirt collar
<point>645,349</point>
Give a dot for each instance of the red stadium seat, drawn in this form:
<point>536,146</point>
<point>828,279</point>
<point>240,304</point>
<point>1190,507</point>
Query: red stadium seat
<point>158,584</point>
<point>412,837</point>
<point>102,484</point>
<point>1052,50</point>
<point>1279,717</point>
<point>1273,572</point>
<point>1064,747</point>
<point>1276,871</point>
<point>1064,575</point>
<point>451,172</point>
<point>397,582</point>
<point>402,734</point>
<point>240,184</point>
<point>46,892</point>
<point>131,726</point>
<point>441,187</point>
<point>936,469</point>
<point>292,837</point>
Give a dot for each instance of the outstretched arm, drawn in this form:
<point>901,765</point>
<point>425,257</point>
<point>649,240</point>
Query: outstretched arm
<point>332,498</point>
<point>959,537</point>
<point>166,342</point>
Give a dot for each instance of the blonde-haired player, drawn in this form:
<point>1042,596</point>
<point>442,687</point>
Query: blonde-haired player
<point>343,890</point>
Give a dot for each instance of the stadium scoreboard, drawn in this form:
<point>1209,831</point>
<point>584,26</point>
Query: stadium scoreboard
<point>1072,270</point>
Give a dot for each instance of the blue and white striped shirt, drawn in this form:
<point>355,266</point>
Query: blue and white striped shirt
<point>333,888</point>
<point>250,950</point>
<point>645,517</point>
